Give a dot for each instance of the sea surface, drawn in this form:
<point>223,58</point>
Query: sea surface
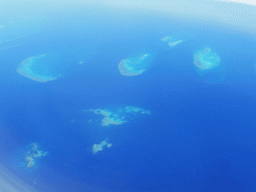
<point>198,137</point>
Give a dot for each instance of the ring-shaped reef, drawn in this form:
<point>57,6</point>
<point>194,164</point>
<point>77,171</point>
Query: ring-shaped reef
<point>208,65</point>
<point>50,66</point>
<point>136,64</point>
<point>38,68</point>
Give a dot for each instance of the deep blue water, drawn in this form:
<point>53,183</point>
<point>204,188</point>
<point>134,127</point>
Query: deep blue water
<point>198,137</point>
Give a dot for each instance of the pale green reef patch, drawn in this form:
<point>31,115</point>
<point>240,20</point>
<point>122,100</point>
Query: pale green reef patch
<point>208,66</point>
<point>99,147</point>
<point>50,66</point>
<point>109,117</point>
<point>33,155</point>
<point>171,41</point>
<point>36,68</point>
<point>28,157</point>
<point>136,64</point>
<point>118,116</point>
<point>206,59</point>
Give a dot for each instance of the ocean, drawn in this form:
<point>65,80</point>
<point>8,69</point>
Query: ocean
<point>191,133</point>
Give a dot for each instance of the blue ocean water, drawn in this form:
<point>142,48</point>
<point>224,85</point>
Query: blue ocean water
<point>199,136</point>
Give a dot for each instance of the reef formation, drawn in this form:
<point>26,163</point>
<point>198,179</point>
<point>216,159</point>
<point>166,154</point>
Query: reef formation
<point>208,65</point>
<point>171,41</point>
<point>135,65</point>
<point>99,147</point>
<point>119,116</point>
<point>36,68</point>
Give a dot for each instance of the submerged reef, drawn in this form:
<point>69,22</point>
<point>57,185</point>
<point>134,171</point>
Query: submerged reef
<point>208,65</point>
<point>135,65</point>
<point>109,117</point>
<point>119,116</point>
<point>29,156</point>
<point>37,68</point>
<point>172,42</point>
<point>206,59</point>
<point>50,66</point>
<point>33,155</point>
<point>99,147</point>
